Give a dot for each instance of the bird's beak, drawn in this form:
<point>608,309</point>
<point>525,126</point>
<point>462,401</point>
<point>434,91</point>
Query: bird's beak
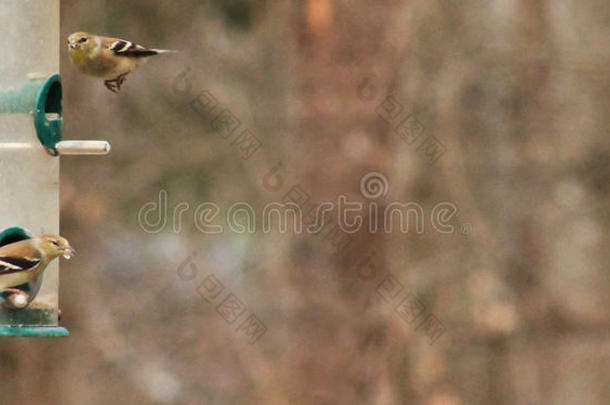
<point>68,252</point>
<point>73,44</point>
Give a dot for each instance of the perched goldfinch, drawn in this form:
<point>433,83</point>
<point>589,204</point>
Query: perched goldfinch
<point>22,262</point>
<point>109,58</point>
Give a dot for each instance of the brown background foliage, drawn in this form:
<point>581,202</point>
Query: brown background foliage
<point>517,92</point>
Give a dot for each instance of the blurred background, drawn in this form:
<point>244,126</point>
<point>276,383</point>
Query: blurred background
<point>499,108</point>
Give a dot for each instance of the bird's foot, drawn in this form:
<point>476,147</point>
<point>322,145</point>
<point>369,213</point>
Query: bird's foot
<point>112,85</point>
<point>120,79</point>
<point>12,290</point>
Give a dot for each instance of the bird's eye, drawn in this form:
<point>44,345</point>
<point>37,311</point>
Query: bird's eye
<point>83,39</point>
<point>55,243</point>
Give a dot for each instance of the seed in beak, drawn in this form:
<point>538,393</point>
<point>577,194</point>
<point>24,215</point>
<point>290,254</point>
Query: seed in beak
<point>69,252</point>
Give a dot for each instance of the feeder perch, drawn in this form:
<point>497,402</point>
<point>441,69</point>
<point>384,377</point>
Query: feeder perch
<point>42,99</point>
<point>30,145</point>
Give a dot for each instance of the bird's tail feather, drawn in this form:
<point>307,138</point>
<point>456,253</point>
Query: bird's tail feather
<point>160,51</point>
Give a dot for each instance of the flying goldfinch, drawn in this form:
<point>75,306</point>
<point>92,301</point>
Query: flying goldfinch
<point>22,262</point>
<point>109,58</point>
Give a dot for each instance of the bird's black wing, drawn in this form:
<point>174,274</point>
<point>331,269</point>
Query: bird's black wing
<point>127,48</point>
<point>10,264</point>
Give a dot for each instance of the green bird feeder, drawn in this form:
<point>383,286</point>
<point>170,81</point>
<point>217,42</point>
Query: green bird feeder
<point>30,148</point>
